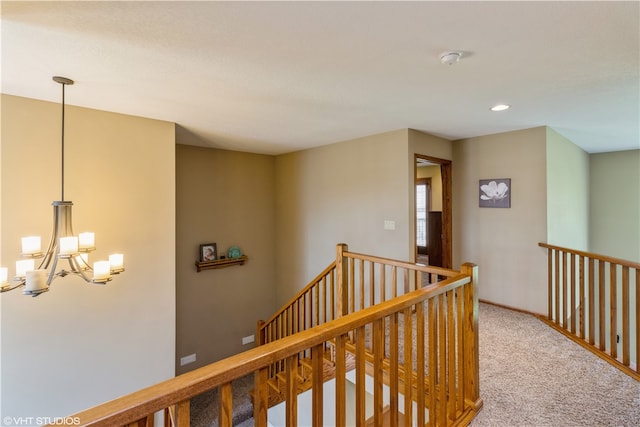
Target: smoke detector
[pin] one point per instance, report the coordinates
(450, 58)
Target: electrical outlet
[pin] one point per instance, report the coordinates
(248, 339)
(187, 359)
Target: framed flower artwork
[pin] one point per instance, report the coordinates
(495, 193)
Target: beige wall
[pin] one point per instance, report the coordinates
(225, 197)
(80, 344)
(503, 242)
(615, 204)
(567, 193)
(343, 193)
(340, 193)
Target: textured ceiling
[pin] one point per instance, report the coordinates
(274, 77)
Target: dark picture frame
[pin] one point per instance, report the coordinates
(494, 193)
(208, 252)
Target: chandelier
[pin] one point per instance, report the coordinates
(63, 246)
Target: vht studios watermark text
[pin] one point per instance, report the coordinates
(40, 421)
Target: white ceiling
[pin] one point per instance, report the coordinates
(274, 77)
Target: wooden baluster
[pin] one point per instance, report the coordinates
(408, 365)
(225, 413)
(260, 397)
(182, 415)
(613, 312)
(461, 337)
(394, 281)
(592, 296)
(317, 385)
(451, 351)
(557, 286)
(393, 369)
(361, 405)
(296, 317)
(638, 320)
(602, 311)
(582, 296)
(572, 303)
(383, 284)
(291, 390)
(442, 363)
(407, 282)
(550, 283)
(372, 281)
(361, 264)
(169, 416)
(306, 317)
(332, 289)
(352, 286)
(625, 316)
(323, 299)
(378, 372)
(432, 362)
(316, 305)
(565, 316)
(420, 356)
(341, 385)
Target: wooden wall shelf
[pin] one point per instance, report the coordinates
(220, 263)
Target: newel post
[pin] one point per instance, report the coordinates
(260, 332)
(342, 286)
(471, 347)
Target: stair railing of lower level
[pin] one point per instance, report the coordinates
(595, 300)
(352, 282)
(431, 334)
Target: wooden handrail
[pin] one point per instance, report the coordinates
(140, 404)
(403, 264)
(344, 299)
(303, 291)
(583, 293)
(592, 255)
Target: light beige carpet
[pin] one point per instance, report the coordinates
(531, 375)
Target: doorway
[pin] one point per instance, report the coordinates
(433, 211)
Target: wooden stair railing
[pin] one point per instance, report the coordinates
(351, 283)
(444, 350)
(595, 301)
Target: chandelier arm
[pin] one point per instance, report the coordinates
(52, 273)
(8, 288)
(76, 269)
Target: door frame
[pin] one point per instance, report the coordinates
(447, 220)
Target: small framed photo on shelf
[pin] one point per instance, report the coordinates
(208, 252)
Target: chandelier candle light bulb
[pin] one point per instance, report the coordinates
(116, 263)
(36, 280)
(31, 246)
(87, 241)
(101, 271)
(24, 265)
(68, 245)
(4, 276)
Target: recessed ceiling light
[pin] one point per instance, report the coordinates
(500, 107)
